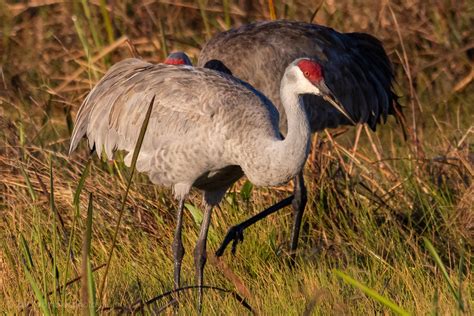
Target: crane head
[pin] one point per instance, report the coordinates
(310, 76)
(178, 58)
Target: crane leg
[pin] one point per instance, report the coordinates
(200, 255)
(235, 233)
(299, 204)
(178, 249)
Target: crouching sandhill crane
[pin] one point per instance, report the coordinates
(357, 70)
(207, 129)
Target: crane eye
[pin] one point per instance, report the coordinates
(306, 73)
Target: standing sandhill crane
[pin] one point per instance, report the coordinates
(357, 70)
(207, 129)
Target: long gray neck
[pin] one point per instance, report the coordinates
(293, 150)
(286, 157)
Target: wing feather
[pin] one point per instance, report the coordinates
(187, 99)
(357, 68)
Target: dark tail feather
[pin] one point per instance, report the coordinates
(372, 48)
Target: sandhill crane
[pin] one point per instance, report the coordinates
(358, 71)
(207, 129)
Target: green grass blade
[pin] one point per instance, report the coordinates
(69, 120)
(108, 23)
(76, 201)
(82, 36)
(31, 190)
(88, 305)
(80, 185)
(195, 212)
(52, 206)
(92, 27)
(435, 311)
(39, 296)
(226, 9)
(461, 273)
(85, 45)
(136, 151)
(91, 289)
(202, 8)
(246, 190)
(444, 272)
(27, 267)
(373, 294)
(164, 43)
(26, 252)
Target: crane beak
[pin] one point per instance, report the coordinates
(329, 97)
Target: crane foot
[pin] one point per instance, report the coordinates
(234, 234)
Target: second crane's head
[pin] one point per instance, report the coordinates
(178, 58)
(307, 77)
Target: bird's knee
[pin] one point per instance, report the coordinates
(178, 250)
(299, 203)
(200, 256)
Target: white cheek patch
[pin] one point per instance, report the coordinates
(309, 87)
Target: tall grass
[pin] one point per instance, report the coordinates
(393, 217)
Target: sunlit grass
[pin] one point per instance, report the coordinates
(393, 217)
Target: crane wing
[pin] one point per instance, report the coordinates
(360, 74)
(186, 101)
(356, 67)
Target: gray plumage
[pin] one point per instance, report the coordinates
(206, 130)
(202, 121)
(356, 68)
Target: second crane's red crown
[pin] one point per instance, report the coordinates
(174, 61)
(311, 70)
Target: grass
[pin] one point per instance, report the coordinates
(389, 226)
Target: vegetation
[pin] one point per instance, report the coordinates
(389, 225)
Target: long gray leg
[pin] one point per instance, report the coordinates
(178, 249)
(299, 204)
(200, 255)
